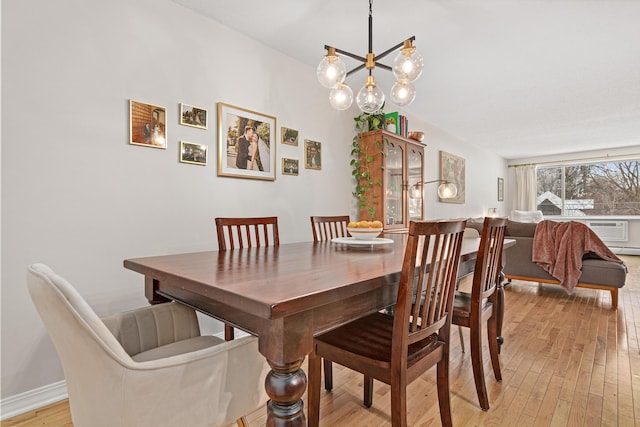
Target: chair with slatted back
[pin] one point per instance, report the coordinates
(396, 349)
(479, 307)
(328, 227)
(245, 233)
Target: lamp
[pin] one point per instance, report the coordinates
(407, 67)
(446, 189)
(493, 212)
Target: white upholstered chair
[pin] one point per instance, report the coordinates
(146, 367)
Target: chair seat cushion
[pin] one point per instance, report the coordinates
(371, 336)
(462, 304)
(178, 347)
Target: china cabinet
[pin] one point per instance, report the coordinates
(397, 174)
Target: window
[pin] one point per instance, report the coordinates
(590, 189)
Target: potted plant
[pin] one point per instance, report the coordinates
(362, 157)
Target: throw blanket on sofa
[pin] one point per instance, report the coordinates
(558, 247)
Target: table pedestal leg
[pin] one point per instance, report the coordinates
(285, 385)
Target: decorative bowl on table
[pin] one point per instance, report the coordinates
(364, 233)
(416, 135)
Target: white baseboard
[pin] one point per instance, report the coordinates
(624, 250)
(33, 399)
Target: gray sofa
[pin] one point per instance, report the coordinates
(596, 273)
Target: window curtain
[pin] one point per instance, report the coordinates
(525, 188)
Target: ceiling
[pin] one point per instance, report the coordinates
(521, 78)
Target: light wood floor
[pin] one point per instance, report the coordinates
(566, 361)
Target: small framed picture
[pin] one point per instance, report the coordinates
(500, 189)
(289, 136)
(246, 143)
(312, 154)
(195, 154)
(289, 166)
(193, 116)
(147, 125)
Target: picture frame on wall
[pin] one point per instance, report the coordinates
(147, 124)
(246, 143)
(193, 153)
(312, 154)
(290, 166)
(452, 169)
(193, 116)
(289, 136)
(500, 189)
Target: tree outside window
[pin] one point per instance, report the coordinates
(591, 189)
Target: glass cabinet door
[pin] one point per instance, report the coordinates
(415, 185)
(394, 193)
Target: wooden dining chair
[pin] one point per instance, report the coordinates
(245, 233)
(480, 307)
(328, 227)
(396, 349)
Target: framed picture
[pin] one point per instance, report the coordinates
(312, 154)
(245, 141)
(289, 166)
(289, 136)
(452, 168)
(500, 189)
(193, 116)
(147, 125)
(193, 153)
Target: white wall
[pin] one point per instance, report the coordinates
(77, 196)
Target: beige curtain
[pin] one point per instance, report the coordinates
(525, 188)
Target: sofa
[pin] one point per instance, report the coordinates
(596, 273)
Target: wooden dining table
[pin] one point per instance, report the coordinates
(285, 295)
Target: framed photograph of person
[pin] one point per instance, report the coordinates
(196, 154)
(289, 136)
(147, 125)
(246, 143)
(193, 116)
(289, 166)
(312, 154)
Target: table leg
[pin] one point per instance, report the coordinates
(500, 310)
(285, 385)
(150, 287)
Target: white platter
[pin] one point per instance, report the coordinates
(359, 242)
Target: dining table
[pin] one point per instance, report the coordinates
(285, 295)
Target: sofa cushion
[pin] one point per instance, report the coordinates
(514, 228)
(602, 272)
(520, 229)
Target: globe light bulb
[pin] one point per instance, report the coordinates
(370, 98)
(403, 93)
(448, 190)
(341, 97)
(408, 64)
(332, 70)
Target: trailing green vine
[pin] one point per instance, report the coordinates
(362, 159)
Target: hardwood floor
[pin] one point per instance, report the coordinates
(566, 361)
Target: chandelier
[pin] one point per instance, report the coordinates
(407, 67)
